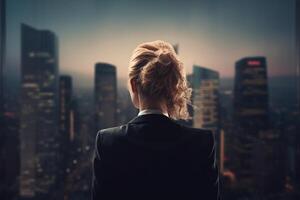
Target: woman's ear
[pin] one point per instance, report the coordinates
(133, 85)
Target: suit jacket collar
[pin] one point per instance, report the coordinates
(151, 111)
(151, 118)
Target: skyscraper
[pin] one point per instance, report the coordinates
(205, 98)
(39, 112)
(66, 125)
(11, 151)
(2, 133)
(65, 107)
(297, 148)
(2, 53)
(251, 120)
(105, 95)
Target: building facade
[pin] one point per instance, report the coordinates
(251, 122)
(2, 51)
(66, 127)
(65, 107)
(2, 123)
(205, 98)
(11, 152)
(105, 95)
(297, 138)
(39, 131)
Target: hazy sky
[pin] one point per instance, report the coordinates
(210, 33)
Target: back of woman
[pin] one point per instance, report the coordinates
(152, 156)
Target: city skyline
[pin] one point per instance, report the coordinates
(208, 33)
(65, 71)
(44, 91)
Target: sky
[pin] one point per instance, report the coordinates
(210, 33)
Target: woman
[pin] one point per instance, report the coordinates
(152, 156)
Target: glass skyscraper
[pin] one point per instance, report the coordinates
(66, 127)
(251, 121)
(105, 95)
(297, 146)
(2, 53)
(65, 108)
(39, 133)
(2, 124)
(205, 83)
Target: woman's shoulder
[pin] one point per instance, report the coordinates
(200, 135)
(108, 135)
(198, 132)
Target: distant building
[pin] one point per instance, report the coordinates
(2, 53)
(105, 95)
(39, 131)
(65, 107)
(2, 123)
(205, 84)
(251, 121)
(206, 106)
(66, 124)
(297, 12)
(297, 148)
(11, 164)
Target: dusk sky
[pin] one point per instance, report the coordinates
(210, 33)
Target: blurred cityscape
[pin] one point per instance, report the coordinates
(48, 129)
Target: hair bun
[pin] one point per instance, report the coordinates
(164, 57)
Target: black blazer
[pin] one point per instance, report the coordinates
(153, 157)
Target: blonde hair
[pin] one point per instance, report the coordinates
(160, 75)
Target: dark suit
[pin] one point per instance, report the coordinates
(153, 157)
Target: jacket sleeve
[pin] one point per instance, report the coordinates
(97, 181)
(212, 171)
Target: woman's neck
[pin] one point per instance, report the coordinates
(152, 105)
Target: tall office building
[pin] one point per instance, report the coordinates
(251, 121)
(297, 148)
(2, 53)
(66, 125)
(39, 113)
(2, 133)
(105, 95)
(11, 151)
(205, 98)
(65, 108)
